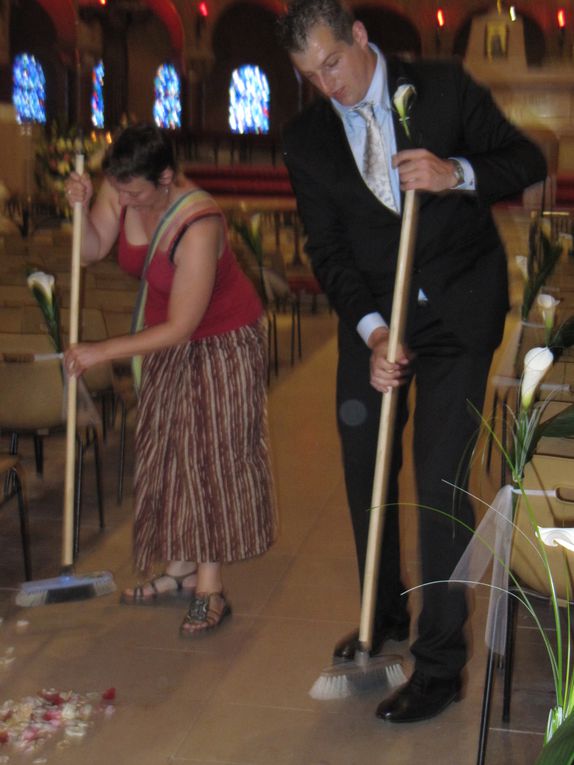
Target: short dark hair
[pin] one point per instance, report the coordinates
(294, 25)
(142, 151)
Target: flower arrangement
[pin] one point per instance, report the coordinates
(55, 154)
(43, 289)
(492, 541)
(543, 255)
(251, 234)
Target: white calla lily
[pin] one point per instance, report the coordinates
(255, 225)
(43, 288)
(537, 362)
(547, 307)
(522, 263)
(402, 101)
(38, 280)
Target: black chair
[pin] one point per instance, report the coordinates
(11, 468)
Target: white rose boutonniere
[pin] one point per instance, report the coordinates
(403, 101)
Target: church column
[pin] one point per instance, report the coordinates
(5, 63)
(115, 57)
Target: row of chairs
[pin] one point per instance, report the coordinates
(32, 397)
(549, 475)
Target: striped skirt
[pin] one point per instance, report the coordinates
(203, 482)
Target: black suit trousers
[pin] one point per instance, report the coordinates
(447, 377)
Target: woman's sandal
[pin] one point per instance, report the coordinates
(157, 596)
(206, 612)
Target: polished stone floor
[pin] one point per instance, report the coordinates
(240, 695)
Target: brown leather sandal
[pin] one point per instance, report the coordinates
(206, 612)
(178, 591)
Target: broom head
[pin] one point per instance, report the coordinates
(350, 678)
(64, 588)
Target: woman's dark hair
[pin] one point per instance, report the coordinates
(142, 151)
(294, 25)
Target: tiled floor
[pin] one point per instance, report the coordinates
(240, 696)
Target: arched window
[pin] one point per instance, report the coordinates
(249, 100)
(98, 95)
(167, 106)
(29, 89)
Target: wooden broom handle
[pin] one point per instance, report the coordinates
(72, 387)
(386, 424)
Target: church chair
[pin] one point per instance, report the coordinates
(32, 404)
(11, 468)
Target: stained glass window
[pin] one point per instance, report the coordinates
(249, 100)
(98, 95)
(29, 89)
(167, 106)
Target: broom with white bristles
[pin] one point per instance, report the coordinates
(365, 671)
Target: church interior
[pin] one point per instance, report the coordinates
(128, 689)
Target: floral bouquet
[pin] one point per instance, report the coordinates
(55, 155)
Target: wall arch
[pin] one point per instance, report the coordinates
(32, 31)
(391, 31)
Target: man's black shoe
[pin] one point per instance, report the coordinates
(348, 646)
(421, 698)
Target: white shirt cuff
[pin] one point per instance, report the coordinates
(368, 324)
(469, 177)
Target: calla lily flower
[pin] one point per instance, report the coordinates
(38, 280)
(522, 263)
(42, 286)
(537, 362)
(552, 537)
(547, 307)
(255, 224)
(402, 101)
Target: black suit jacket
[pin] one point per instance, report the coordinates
(352, 239)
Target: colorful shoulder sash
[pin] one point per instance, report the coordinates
(192, 206)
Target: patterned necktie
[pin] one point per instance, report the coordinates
(376, 162)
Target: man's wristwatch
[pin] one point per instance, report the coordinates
(458, 173)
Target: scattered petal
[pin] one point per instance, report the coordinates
(27, 725)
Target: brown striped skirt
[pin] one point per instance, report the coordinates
(203, 482)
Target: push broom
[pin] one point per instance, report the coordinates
(366, 671)
(69, 586)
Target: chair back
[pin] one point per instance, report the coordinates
(92, 329)
(31, 392)
(554, 475)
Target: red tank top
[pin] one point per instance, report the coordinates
(234, 302)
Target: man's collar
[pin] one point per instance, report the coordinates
(377, 92)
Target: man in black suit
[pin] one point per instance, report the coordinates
(451, 144)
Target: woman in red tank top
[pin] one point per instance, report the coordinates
(203, 490)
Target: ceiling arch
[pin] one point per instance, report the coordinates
(63, 14)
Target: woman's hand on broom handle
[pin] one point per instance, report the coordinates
(82, 356)
(79, 189)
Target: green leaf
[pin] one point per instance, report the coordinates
(559, 426)
(560, 749)
(563, 337)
